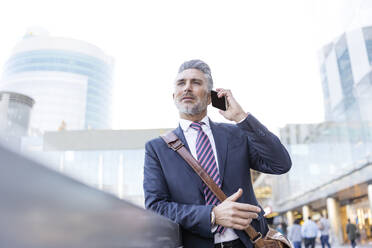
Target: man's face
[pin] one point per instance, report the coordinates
(191, 94)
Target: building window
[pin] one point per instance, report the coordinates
(367, 33)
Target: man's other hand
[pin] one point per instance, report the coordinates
(234, 214)
(234, 111)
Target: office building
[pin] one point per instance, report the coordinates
(332, 161)
(70, 81)
(15, 112)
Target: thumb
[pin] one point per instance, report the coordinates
(234, 197)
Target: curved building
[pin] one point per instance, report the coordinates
(70, 80)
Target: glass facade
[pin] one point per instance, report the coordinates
(367, 33)
(339, 82)
(346, 78)
(331, 170)
(15, 112)
(343, 143)
(333, 150)
(118, 172)
(331, 161)
(326, 95)
(98, 72)
(363, 91)
(109, 160)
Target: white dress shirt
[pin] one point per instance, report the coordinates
(294, 233)
(191, 135)
(326, 226)
(309, 229)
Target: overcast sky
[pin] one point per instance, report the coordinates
(265, 51)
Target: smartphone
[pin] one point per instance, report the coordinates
(219, 103)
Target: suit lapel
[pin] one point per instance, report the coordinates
(220, 139)
(179, 132)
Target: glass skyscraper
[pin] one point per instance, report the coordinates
(346, 76)
(332, 161)
(70, 80)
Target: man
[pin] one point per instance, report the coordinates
(351, 231)
(227, 151)
(324, 227)
(294, 234)
(309, 231)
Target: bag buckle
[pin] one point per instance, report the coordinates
(176, 145)
(257, 238)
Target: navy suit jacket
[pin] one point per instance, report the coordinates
(175, 191)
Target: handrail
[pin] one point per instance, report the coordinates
(42, 208)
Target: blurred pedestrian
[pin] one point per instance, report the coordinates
(351, 231)
(285, 228)
(279, 228)
(294, 234)
(324, 228)
(309, 232)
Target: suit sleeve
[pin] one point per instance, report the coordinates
(194, 218)
(267, 154)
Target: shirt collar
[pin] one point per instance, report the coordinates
(185, 124)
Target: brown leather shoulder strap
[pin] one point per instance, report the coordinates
(173, 142)
(176, 144)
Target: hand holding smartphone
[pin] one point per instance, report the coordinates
(219, 103)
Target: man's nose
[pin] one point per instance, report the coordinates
(188, 86)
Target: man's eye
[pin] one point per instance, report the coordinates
(180, 83)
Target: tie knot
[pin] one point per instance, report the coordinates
(196, 125)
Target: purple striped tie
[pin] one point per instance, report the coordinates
(207, 160)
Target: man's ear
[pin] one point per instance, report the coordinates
(209, 98)
(173, 96)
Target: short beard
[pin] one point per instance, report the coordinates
(192, 110)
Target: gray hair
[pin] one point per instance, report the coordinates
(201, 66)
